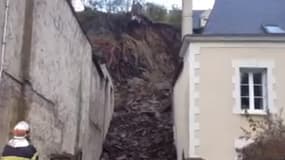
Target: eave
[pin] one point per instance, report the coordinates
(242, 38)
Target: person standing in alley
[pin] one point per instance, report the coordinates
(19, 147)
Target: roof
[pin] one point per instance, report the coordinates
(245, 16)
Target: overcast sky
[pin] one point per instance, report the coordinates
(197, 4)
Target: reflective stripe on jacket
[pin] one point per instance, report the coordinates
(19, 153)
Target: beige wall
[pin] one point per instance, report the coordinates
(219, 126)
(50, 81)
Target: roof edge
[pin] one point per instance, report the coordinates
(234, 38)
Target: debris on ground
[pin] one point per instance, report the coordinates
(142, 58)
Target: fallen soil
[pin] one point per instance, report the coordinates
(142, 59)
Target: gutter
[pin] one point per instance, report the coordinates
(3, 45)
(224, 38)
(185, 45)
(235, 38)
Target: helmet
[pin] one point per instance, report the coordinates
(23, 125)
(21, 129)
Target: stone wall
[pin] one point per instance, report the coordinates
(51, 81)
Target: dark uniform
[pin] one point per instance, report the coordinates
(19, 153)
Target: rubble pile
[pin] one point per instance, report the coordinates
(142, 59)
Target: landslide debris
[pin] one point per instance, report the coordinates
(142, 59)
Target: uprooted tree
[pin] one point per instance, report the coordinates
(113, 6)
(153, 11)
(268, 140)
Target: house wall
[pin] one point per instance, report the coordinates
(10, 85)
(181, 110)
(50, 80)
(14, 36)
(219, 126)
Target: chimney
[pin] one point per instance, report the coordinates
(186, 17)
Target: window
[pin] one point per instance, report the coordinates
(273, 29)
(254, 86)
(253, 89)
(203, 22)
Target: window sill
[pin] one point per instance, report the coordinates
(250, 112)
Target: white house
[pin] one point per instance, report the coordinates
(236, 64)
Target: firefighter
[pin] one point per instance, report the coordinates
(19, 147)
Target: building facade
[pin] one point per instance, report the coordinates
(233, 68)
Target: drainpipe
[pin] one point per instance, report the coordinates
(3, 46)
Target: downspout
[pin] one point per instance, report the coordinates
(3, 46)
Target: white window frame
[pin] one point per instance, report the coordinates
(251, 95)
(270, 79)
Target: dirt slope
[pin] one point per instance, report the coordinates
(143, 59)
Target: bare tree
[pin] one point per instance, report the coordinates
(113, 6)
